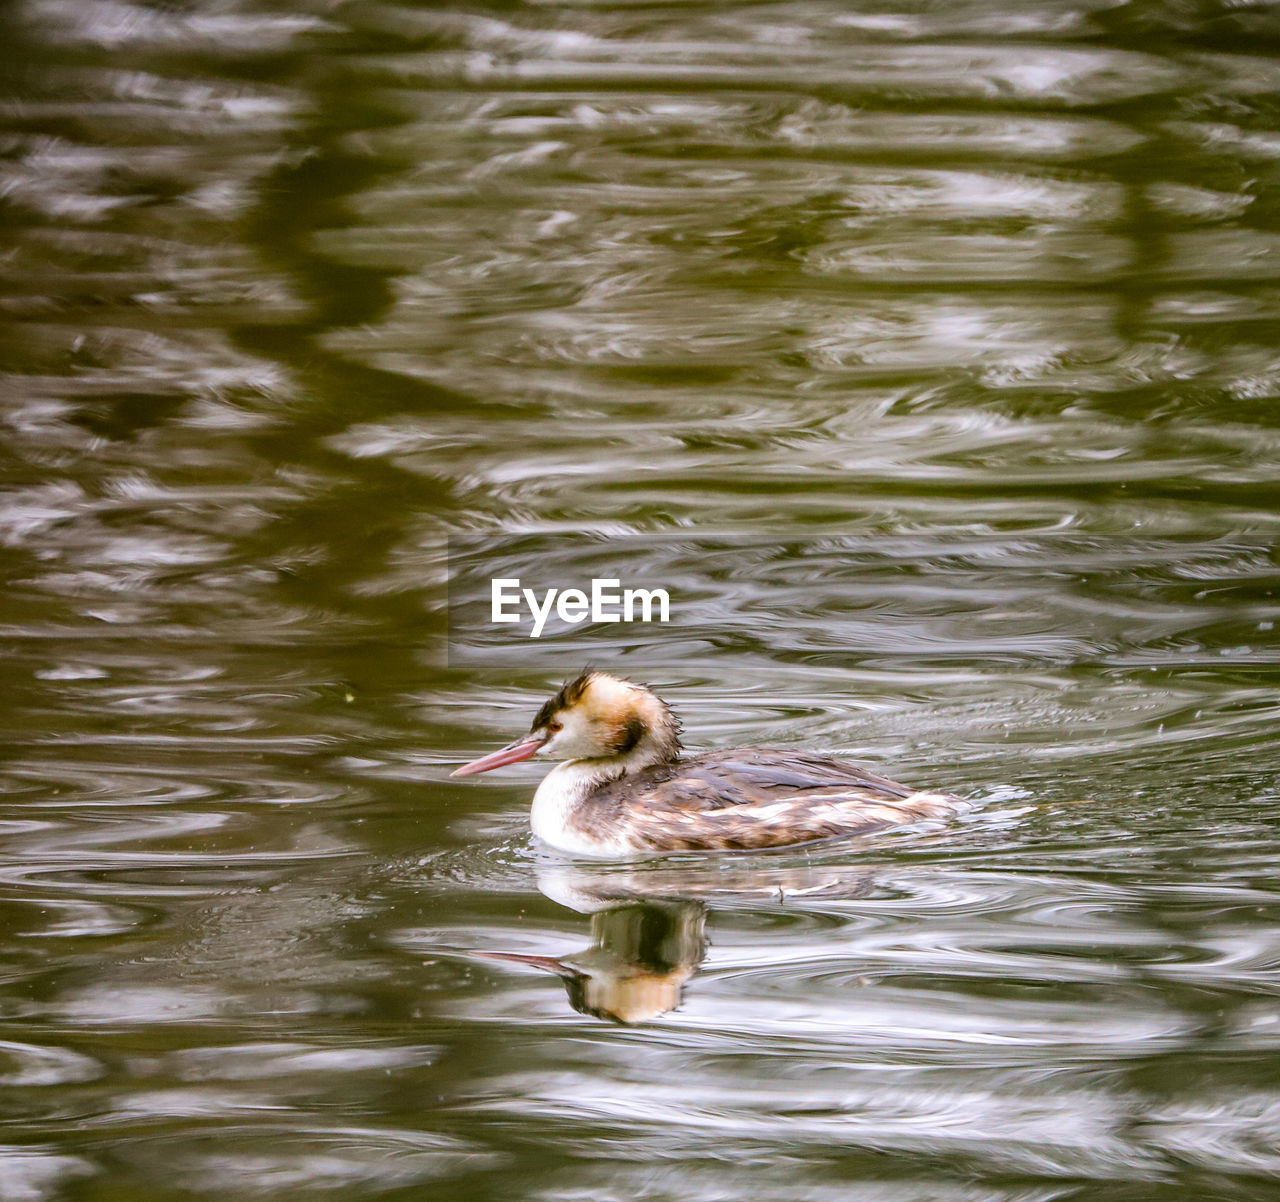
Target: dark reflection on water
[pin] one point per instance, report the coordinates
(637, 964)
(961, 319)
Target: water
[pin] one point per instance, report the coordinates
(926, 353)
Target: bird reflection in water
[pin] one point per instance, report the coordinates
(648, 929)
(641, 955)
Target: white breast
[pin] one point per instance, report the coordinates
(563, 792)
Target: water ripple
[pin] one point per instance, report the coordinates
(925, 352)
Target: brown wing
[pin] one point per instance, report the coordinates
(757, 798)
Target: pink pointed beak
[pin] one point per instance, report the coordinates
(512, 753)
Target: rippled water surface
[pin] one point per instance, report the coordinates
(926, 352)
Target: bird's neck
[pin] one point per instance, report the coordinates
(563, 799)
(592, 772)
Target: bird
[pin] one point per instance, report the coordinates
(623, 787)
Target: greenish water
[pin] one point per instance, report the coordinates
(928, 354)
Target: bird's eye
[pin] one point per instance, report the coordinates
(555, 727)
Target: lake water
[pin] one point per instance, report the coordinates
(928, 354)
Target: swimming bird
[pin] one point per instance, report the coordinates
(623, 787)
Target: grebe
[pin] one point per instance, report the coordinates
(623, 787)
